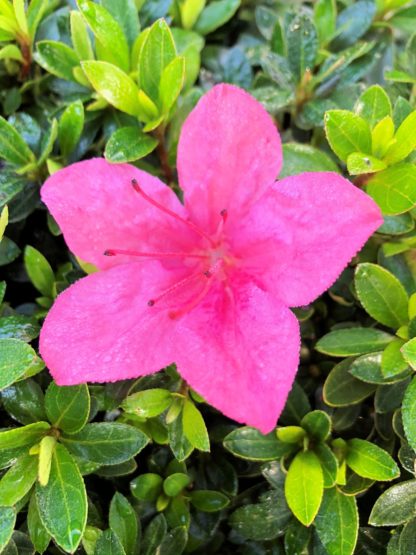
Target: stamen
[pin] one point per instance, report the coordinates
(192, 304)
(174, 287)
(192, 226)
(224, 216)
(114, 252)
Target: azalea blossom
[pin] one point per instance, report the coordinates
(206, 284)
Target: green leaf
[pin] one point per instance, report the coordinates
(194, 427)
(409, 414)
(299, 158)
(70, 127)
(208, 501)
(57, 58)
(111, 43)
(249, 443)
(304, 486)
(23, 436)
(407, 538)
(404, 141)
(7, 522)
(39, 271)
(325, 13)
(157, 52)
(62, 502)
(24, 401)
(409, 352)
(291, 434)
(353, 22)
(18, 326)
(317, 424)
(358, 163)
(395, 506)
(347, 133)
(46, 448)
(125, 13)
(190, 11)
(302, 45)
(128, 144)
(374, 105)
(394, 189)
(370, 461)
(175, 483)
(16, 359)
(392, 360)
(114, 85)
(353, 341)
(123, 522)
(153, 536)
(37, 532)
(18, 480)
(382, 136)
(337, 523)
(109, 544)
(106, 442)
(13, 147)
(382, 295)
(215, 15)
(80, 37)
(171, 83)
(342, 389)
(368, 369)
(328, 462)
(68, 407)
(48, 140)
(147, 487)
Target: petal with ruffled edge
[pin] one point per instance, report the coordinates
(326, 219)
(101, 329)
(240, 353)
(229, 152)
(97, 209)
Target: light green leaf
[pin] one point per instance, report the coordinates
(382, 136)
(70, 127)
(7, 522)
(128, 144)
(20, 14)
(194, 427)
(215, 15)
(337, 523)
(16, 359)
(392, 361)
(111, 43)
(4, 220)
(382, 295)
(171, 83)
(328, 462)
(325, 14)
(11, 52)
(24, 436)
(57, 58)
(80, 38)
(353, 341)
(62, 502)
(394, 189)
(358, 163)
(409, 414)
(68, 407)
(404, 141)
(18, 480)
(370, 461)
(190, 11)
(374, 105)
(347, 133)
(46, 448)
(304, 486)
(409, 352)
(114, 85)
(39, 271)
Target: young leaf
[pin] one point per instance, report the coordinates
(404, 141)
(374, 105)
(13, 147)
(353, 341)
(39, 271)
(370, 461)
(382, 135)
(128, 144)
(80, 37)
(382, 295)
(358, 164)
(62, 502)
(392, 360)
(317, 424)
(394, 189)
(304, 486)
(347, 133)
(175, 483)
(114, 85)
(68, 407)
(46, 449)
(123, 522)
(325, 14)
(194, 427)
(409, 352)
(106, 442)
(147, 487)
(171, 83)
(337, 523)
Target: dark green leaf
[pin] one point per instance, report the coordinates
(12, 146)
(342, 389)
(7, 521)
(16, 359)
(249, 443)
(302, 45)
(38, 534)
(70, 127)
(395, 506)
(353, 341)
(128, 144)
(123, 522)
(215, 15)
(18, 480)
(108, 544)
(353, 22)
(154, 535)
(298, 158)
(208, 501)
(57, 58)
(68, 407)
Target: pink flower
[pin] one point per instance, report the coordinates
(206, 284)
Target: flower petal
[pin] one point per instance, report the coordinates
(327, 219)
(240, 353)
(97, 209)
(101, 329)
(229, 152)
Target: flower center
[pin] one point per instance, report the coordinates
(212, 261)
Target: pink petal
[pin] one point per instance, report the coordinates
(241, 355)
(97, 209)
(101, 328)
(229, 152)
(326, 218)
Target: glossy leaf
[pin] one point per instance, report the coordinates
(39, 271)
(409, 414)
(347, 133)
(394, 189)
(18, 480)
(353, 341)
(374, 105)
(302, 45)
(249, 443)
(12, 146)
(123, 522)
(215, 15)
(341, 389)
(128, 144)
(16, 359)
(57, 58)
(68, 407)
(370, 461)
(395, 506)
(70, 127)
(194, 427)
(7, 522)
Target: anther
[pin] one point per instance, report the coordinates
(224, 214)
(109, 252)
(151, 302)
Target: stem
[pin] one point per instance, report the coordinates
(26, 50)
(162, 152)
